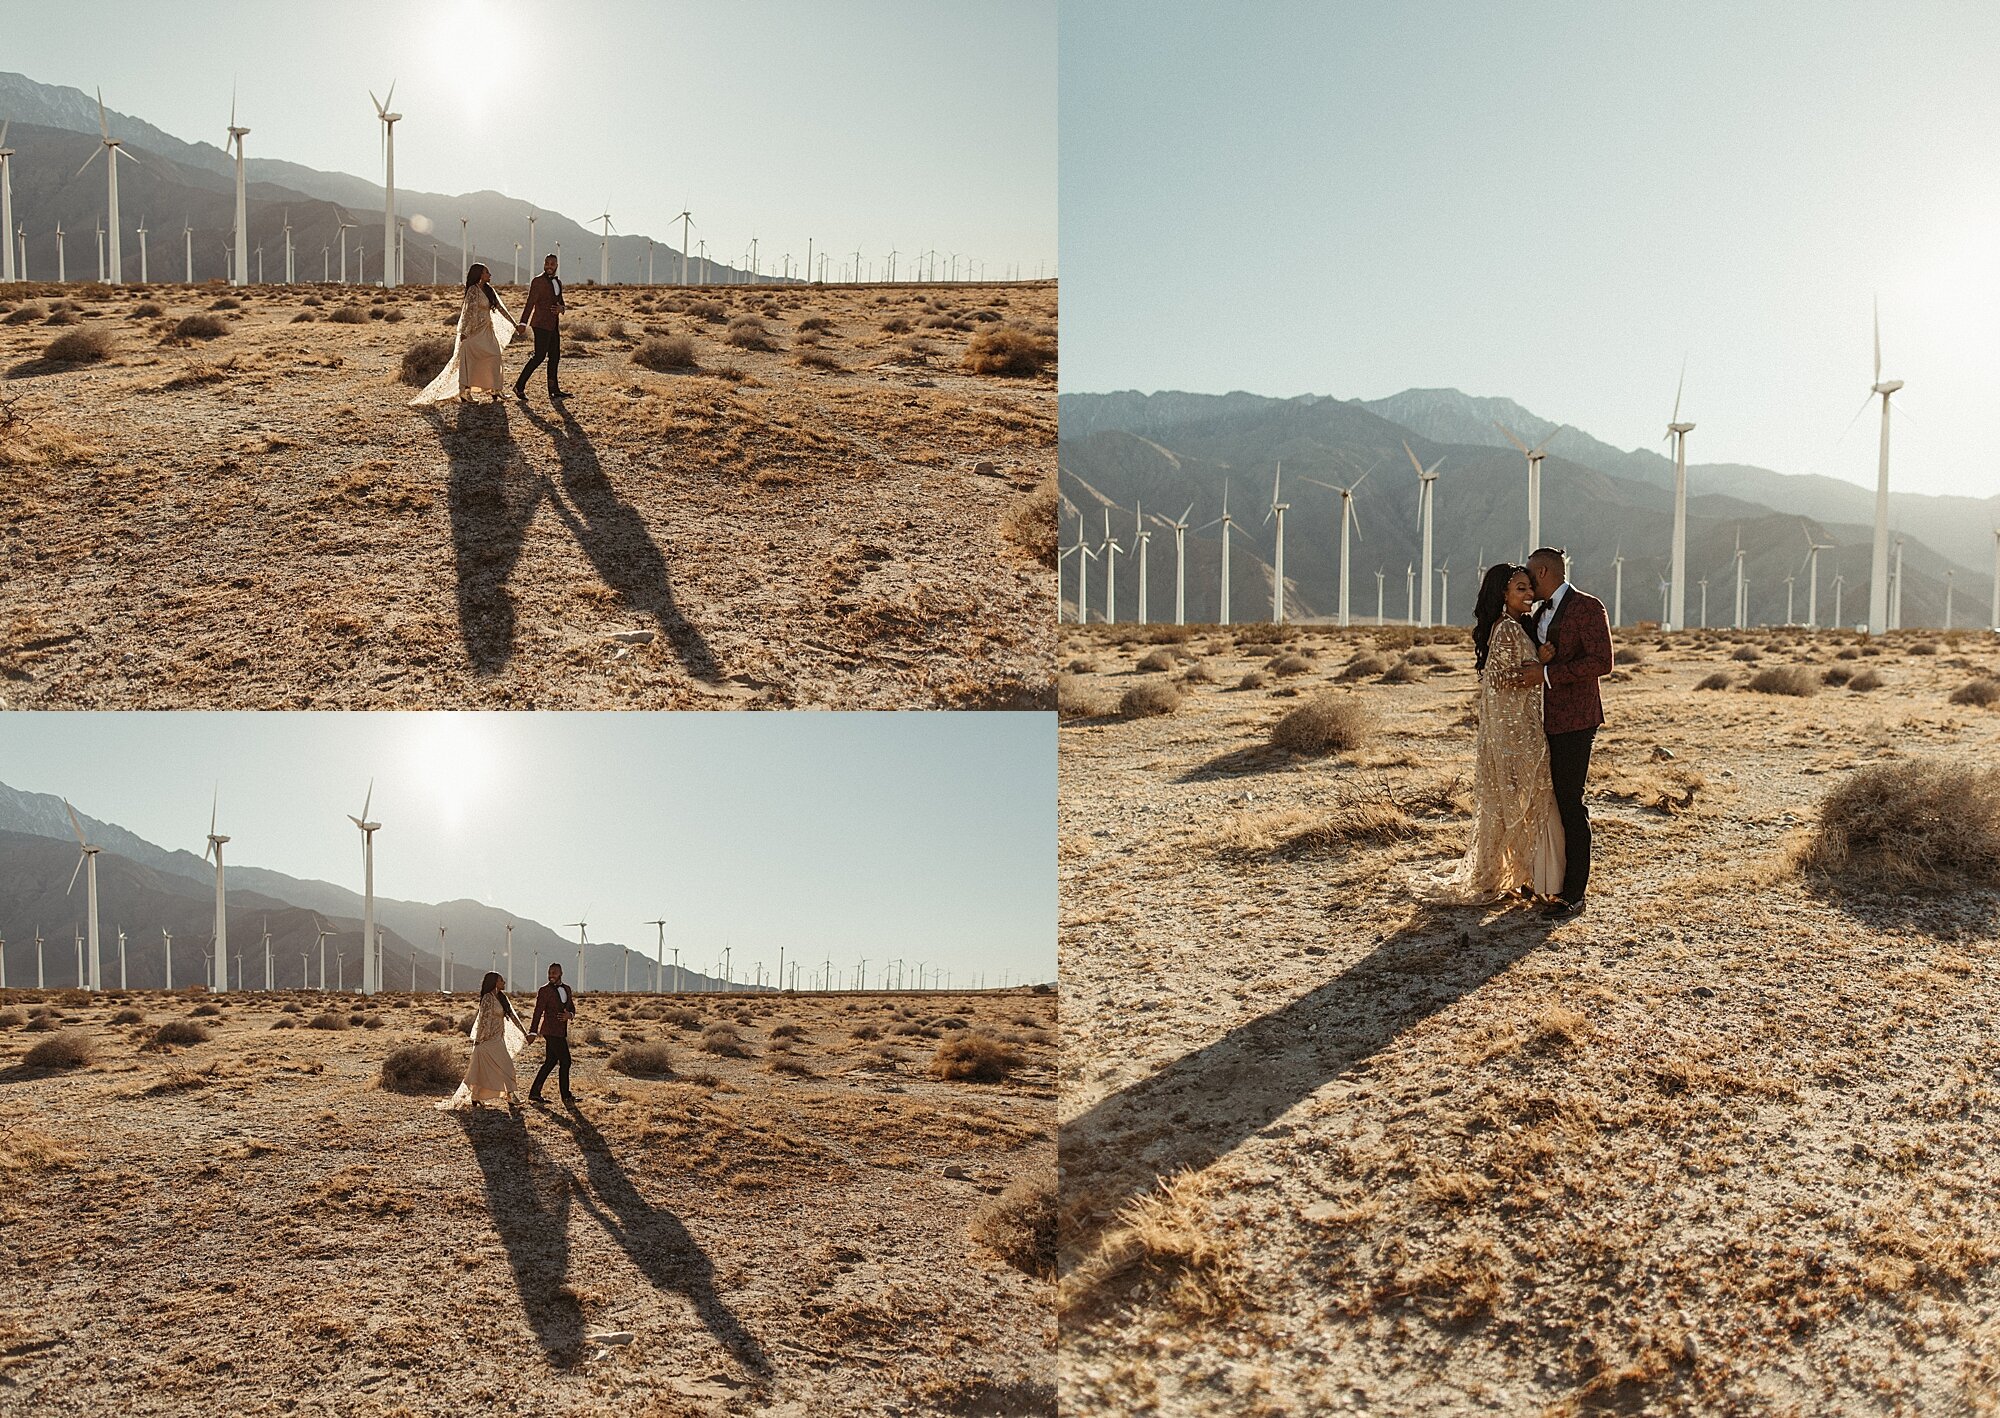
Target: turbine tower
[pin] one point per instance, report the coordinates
(1618, 583)
(1878, 581)
(168, 937)
(582, 944)
(291, 276)
(1110, 550)
(1228, 525)
(1813, 549)
(7, 207)
(1349, 522)
(1677, 563)
(1426, 499)
(219, 980)
(1141, 540)
(370, 968)
(187, 242)
(1535, 456)
(86, 860)
(464, 246)
(660, 955)
(390, 277)
(322, 933)
(1278, 509)
(112, 149)
(686, 219)
(1180, 568)
(604, 246)
(143, 278)
(239, 270)
(1742, 588)
(1996, 578)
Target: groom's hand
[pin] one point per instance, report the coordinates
(1545, 652)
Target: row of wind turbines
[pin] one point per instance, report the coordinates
(667, 976)
(925, 267)
(1885, 582)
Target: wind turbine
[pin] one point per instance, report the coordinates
(389, 280)
(1278, 509)
(1380, 577)
(322, 933)
(121, 952)
(239, 270)
(215, 840)
(1083, 556)
(100, 237)
(1742, 588)
(1677, 562)
(444, 983)
(1180, 568)
(1703, 583)
(1996, 578)
(1665, 591)
(1838, 583)
(291, 275)
(7, 207)
(1426, 497)
(1110, 551)
(1791, 579)
(660, 955)
(267, 953)
(40, 975)
(582, 944)
(1896, 588)
(1349, 520)
(143, 280)
(1141, 539)
(1948, 575)
(686, 219)
(464, 246)
(187, 243)
(1444, 592)
(1813, 549)
(168, 936)
(113, 149)
(1618, 583)
(604, 247)
(1878, 581)
(87, 860)
(62, 262)
(1228, 525)
(370, 969)
(1535, 456)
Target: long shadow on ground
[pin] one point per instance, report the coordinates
(493, 498)
(529, 1197)
(1197, 1108)
(658, 1244)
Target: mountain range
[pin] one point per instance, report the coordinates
(1171, 449)
(178, 185)
(143, 888)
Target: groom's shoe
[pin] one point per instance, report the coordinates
(1561, 909)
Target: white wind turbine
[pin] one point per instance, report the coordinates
(1618, 583)
(291, 275)
(1349, 521)
(219, 981)
(1878, 581)
(686, 219)
(1180, 566)
(1535, 456)
(390, 276)
(1703, 583)
(121, 954)
(604, 246)
(100, 238)
(1081, 550)
(1278, 510)
(582, 945)
(267, 954)
(1948, 575)
(464, 246)
(40, 974)
(1896, 588)
(1677, 561)
(62, 261)
(1813, 549)
(187, 242)
(143, 278)
(660, 955)
(1996, 578)
(1410, 594)
(322, 933)
(113, 149)
(1839, 582)
(86, 862)
(1791, 580)
(168, 937)
(370, 969)
(1426, 499)
(1110, 549)
(239, 270)
(1141, 540)
(7, 207)
(1228, 525)
(1444, 592)
(1742, 587)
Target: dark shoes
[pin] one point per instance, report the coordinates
(1561, 910)
(558, 393)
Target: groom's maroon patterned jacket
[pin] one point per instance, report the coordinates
(1581, 634)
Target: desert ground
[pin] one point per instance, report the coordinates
(1721, 1144)
(811, 1221)
(220, 499)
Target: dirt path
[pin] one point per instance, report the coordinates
(260, 521)
(1720, 1145)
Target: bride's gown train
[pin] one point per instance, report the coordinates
(483, 332)
(496, 1037)
(1517, 836)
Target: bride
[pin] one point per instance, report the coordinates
(484, 329)
(1517, 836)
(497, 1035)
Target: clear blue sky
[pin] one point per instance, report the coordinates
(870, 123)
(924, 835)
(1554, 202)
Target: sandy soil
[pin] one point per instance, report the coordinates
(252, 1224)
(1721, 1145)
(259, 521)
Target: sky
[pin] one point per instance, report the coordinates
(872, 124)
(1553, 202)
(925, 836)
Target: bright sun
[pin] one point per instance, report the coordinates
(470, 51)
(452, 764)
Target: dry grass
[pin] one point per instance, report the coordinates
(1008, 350)
(1799, 681)
(723, 1041)
(200, 327)
(1914, 824)
(1329, 722)
(1718, 679)
(644, 1060)
(180, 1031)
(665, 354)
(421, 1068)
(1019, 1225)
(72, 1048)
(85, 346)
(1144, 700)
(424, 360)
(1866, 680)
(973, 1057)
(1978, 693)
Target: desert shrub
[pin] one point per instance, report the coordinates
(438, 1024)
(10, 1019)
(128, 1016)
(711, 311)
(590, 1034)
(1286, 665)
(867, 1033)
(1077, 700)
(1847, 652)
(681, 1018)
(1978, 693)
(722, 1040)
(348, 315)
(1198, 673)
(378, 312)
(795, 1067)
(1747, 653)
(304, 317)
(1836, 675)
(148, 310)
(80, 346)
(227, 302)
(747, 332)
(646, 1060)
(312, 300)
(973, 1057)
(1158, 660)
(292, 1007)
(1256, 679)
(614, 330)
(425, 360)
(25, 315)
(1866, 680)
(1913, 823)
(421, 1068)
(789, 1031)
(665, 353)
(1796, 680)
(1924, 647)
(817, 323)
(70, 1049)
(1008, 350)
(1362, 667)
(1629, 655)
(201, 327)
(327, 1020)
(180, 1031)
(284, 1021)
(819, 359)
(1329, 722)
(913, 1028)
(1019, 1225)
(373, 1021)
(1719, 680)
(206, 1011)
(1144, 701)
(1031, 523)
(1402, 672)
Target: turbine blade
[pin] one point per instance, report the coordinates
(1878, 339)
(1419, 466)
(1543, 446)
(1677, 391)
(1190, 512)
(88, 161)
(3, 131)
(1360, 480)
(74, 825)
(73, 875)
(102, 131)
(367, 800)
(1510, 436)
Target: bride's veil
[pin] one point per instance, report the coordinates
(445, 386)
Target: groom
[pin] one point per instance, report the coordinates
(543, 315)
(1574, 639)
(555, 1003)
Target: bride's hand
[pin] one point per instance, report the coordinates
(1545, 652)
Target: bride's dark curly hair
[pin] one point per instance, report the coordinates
(1491, 605)
(475, 274)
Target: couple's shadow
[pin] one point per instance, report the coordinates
(493, 496)
(531, 1197)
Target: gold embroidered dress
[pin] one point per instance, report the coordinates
(1517, 837)
(496, 1037)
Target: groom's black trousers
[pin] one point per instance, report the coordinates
(555, 1053)
(548, 345)
(1569, 766)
